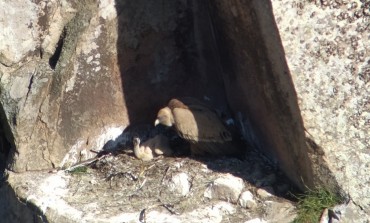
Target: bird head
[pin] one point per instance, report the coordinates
(164, 117)
(136, 141)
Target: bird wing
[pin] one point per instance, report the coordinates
(197, 123)
(188, 103)
(159, 144)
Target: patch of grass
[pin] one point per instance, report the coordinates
(78, 170)
(312, 204)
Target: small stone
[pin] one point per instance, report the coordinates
(256, 220)
(227, 188)
(178, 165)
(333, 215)
(280, 211)
(89, 59)
(179, 184)
(246, 200)
(325, 216)
(204, 168)
(93, 181)
(225, 208)
(265, 192)
(350, 213)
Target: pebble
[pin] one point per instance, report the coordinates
(265, 192)
(246, 200)
(227, 188)
(256, 220)
(225, 208)
(279, 211)
(179, 184)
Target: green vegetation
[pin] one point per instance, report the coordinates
(312, 204)
(78, 170)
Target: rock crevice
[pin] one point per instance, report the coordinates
(75, 74)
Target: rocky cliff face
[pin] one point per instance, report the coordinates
(61, 91)
(87, 69)
(258, 84)
(74, 74)
(327, 48)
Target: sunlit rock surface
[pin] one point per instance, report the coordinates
(327, 48)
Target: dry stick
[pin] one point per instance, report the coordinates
(169, 208)
(165, 174)
(142, 184)
(85, 162)
(142, 217)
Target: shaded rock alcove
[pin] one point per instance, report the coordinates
(84, 71)
(105, 66)
(226, 52)
(162, 54)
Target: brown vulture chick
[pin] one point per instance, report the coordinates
(158, 145)
(201, 126)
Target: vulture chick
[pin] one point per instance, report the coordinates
(201, 126)
(158, 145)
(142, 152)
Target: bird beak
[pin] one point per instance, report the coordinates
(156, 122)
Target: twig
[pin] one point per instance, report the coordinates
(165, 174)
(170, 208)
(85, 162)
(142, 184)
(142, 217)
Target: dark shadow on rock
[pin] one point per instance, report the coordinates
(256, 170)
(259, 85)
(160, 57)
(124, 142)
(214, 51)
(4, 152)
(12, 209)
(7, 146)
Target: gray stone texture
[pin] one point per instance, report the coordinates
(295, 75)
(259, 88)
(92, 73)
(327, 48)
(61, 91)
(227, 188)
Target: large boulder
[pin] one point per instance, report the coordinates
(304, 97)
(75, 74)
(258, 85)
(61, 91)
(327, 49)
